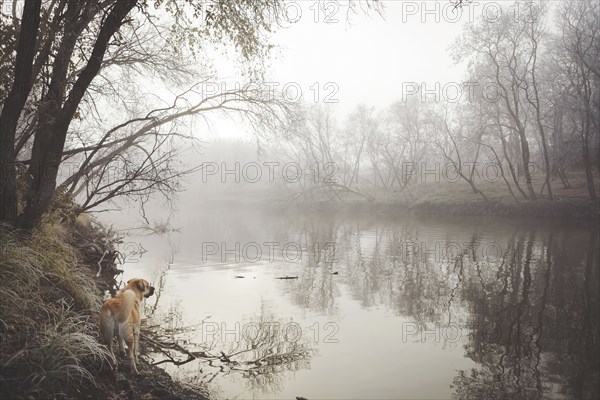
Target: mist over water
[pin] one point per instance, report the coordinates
(379, 306)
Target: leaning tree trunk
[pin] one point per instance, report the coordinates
(51, 134)
(546, 157)
(525, 158)
(586, 140)
(13, 105)
(535, 102)
(587, 161)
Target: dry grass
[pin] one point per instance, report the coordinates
(49, 342)
(61, 261)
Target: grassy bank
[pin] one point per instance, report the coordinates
(568, 209)
(435, 205)
(49, 302)
(457, 199)
(441, 198)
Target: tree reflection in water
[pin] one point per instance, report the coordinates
(263, 351)
(527, 301)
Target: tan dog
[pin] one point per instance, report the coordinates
(121, 316)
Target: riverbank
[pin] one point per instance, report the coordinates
(50, 295)
(445, 199)
(544, 209)
(579, 209)
(457, 199)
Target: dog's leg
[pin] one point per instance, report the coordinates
(130, 340)
(121, 343)
(137, 344)
(136, 333)
(107, 330)
(136, 341)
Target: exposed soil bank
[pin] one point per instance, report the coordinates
(152, 383)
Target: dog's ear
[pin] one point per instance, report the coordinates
(141, 285)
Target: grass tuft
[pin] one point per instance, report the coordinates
(49, 345)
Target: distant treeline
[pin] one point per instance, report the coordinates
(524, 124)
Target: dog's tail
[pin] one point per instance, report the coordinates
(128, 300)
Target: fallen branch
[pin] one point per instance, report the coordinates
(161, 346)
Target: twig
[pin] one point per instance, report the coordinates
(100, 263)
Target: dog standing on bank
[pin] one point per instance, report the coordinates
(120, 316)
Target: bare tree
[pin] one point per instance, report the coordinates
(580, 45)
(458, 163)
(535, 32)
(313, 140)
(498, 48)
(66, 48)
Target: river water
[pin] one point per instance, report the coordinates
(375, 306)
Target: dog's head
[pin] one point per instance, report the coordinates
(141, 286)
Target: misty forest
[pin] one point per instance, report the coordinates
(330, 199)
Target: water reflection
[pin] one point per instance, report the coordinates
(521, 300)
(263, 350)
(536, 332)
(531, 300)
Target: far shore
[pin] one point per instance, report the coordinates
(428, 198)
(559, 209)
